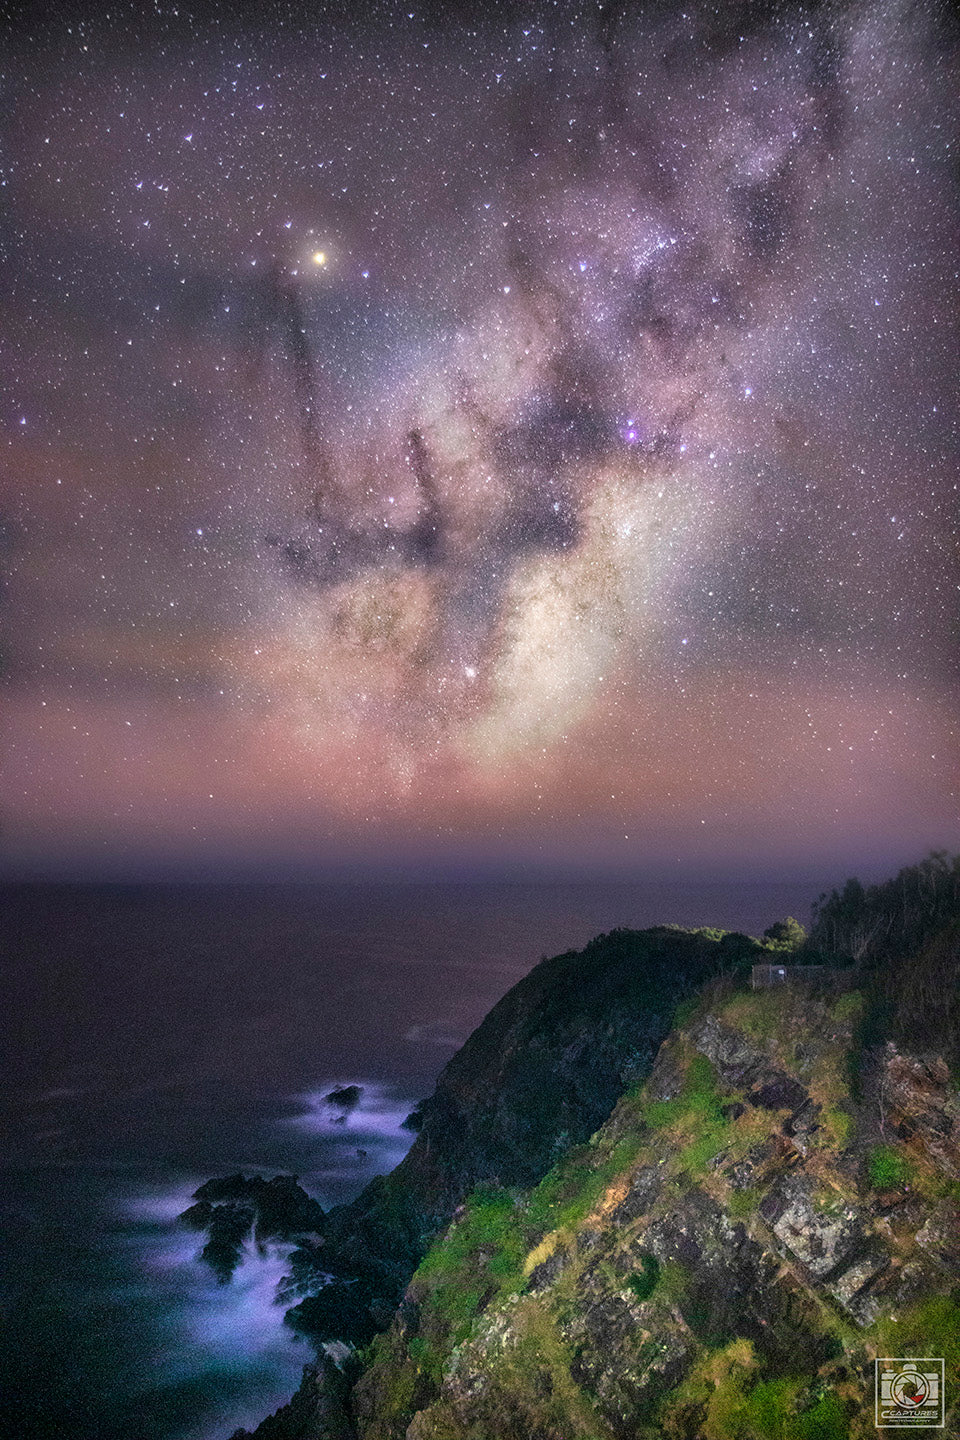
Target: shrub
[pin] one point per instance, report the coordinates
(644, 1281)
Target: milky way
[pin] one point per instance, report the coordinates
(509, 435)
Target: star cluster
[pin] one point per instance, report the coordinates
(515, 435)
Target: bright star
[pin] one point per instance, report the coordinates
(319, 257)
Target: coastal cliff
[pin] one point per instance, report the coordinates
(539, 1074)
(680, 1206)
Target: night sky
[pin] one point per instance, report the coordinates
(504, 436)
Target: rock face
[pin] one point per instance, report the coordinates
(821, 1239)
(923, 1107)
(718, 1262)
(318, 1408)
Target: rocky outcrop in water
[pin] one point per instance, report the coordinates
(232, 1209)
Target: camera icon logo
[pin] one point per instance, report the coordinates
(910, 1393)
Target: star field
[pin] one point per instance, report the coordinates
(486, 435)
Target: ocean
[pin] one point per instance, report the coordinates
(155, 1036)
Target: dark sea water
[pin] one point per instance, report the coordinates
(153, 1037)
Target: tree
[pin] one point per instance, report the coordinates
(786, 934)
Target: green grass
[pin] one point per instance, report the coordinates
(934, 1186)
(759, 1014)
(699, 1107)
(568, 1192)
(489, 1219)
(930, 1328)
(421, 1352)
(531, 1387)
(699, 1096)
(479, 1259)
(769, 1413)
(847, 1006)
(739, 1407)
(887, 1167)
(686, 1010)
(743, 1203)
(697, 1155)
(391, 1376)
(675, 1279)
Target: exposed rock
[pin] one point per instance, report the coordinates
(940, 1235)
(588, 1240)
(666, 1077)
(548, 1271)
(647, 1287)
(539, 1075)
(735, 1058)
(803, 1124)
(762, 1162)
(638, 1366)
(318, 1411)
(344, 1099)
(644, 1188)
(731, 1285)
(777, 1091)
(923, 1106)
(821, 1239)
(849, 1285)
